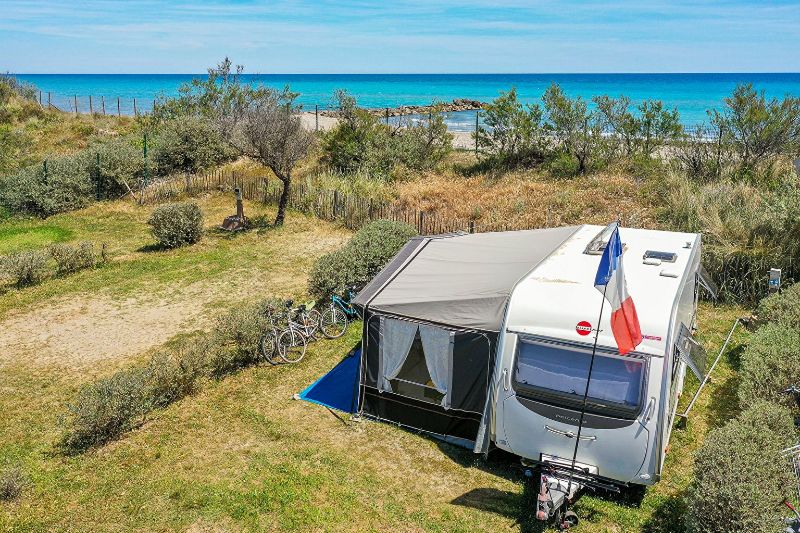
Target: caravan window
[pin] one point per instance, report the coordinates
(557, 374)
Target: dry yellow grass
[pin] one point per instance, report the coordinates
(528, 198)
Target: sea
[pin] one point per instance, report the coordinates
(691, 94)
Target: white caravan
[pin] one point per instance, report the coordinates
(486, 339)
(544, 349)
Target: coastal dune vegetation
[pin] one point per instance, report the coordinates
(135, 389)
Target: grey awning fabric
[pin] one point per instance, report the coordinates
(462, 281)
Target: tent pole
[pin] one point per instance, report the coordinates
(585, 397)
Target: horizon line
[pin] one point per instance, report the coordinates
(393, 73)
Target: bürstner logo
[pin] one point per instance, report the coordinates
(583, 328)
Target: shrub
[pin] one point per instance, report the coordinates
(424, 144)
(173, 374)
(72, 257)
(360, 142)
(702, 153)
(515, 134)
(188, 144)
(177, 224)
(740, 479)
(781, 308)
(640, 134)
(62, 184)
(574, 129)
(106, 409)
(12, 482)
(24, 268)
(120, 168)
(759, 131)
(360, 259)
(237, 333)
(15, 145)
(770, 363)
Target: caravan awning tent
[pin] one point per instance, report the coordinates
(461, 281)
(431, 319)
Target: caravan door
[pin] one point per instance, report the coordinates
(541, 408)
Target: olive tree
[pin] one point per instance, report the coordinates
(258, 122)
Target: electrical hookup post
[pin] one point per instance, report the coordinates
(560, 480)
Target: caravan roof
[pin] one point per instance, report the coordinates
(460, 280)
(559, 293)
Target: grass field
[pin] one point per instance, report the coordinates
(241, 454)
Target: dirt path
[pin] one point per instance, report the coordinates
(84, 330)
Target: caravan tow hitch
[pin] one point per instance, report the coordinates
(553, 496)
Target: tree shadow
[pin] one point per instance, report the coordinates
(152, 247)
(734, 356)
(724, 403)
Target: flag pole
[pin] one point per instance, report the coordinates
(586, 394)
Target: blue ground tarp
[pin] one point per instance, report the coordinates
(338, 388)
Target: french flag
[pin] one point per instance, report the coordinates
(610, 280)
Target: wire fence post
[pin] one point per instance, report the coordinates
(49, 105)
(477, 113)
(76, 105)
(103, 103)
(97, 176)
(144, 154)
(387, 116)
(135, 112)
(316, 117)
(119, 113)
(91, 107)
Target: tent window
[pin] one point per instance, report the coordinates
(416, 360)
(414, 379)
(557, 374)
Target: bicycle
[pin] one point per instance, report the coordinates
(269, 339)
(335, 319)
(302, 325)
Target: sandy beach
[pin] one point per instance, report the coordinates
(461, 139)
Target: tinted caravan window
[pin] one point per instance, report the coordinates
(557, 374)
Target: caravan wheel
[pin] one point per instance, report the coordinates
(570, 520)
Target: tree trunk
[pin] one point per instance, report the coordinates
(287, 182)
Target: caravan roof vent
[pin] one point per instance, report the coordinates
(598, 244)
(664, 257)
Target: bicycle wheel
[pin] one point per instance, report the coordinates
(333, 323)
(314, 318)
(291, 345)
(269, 345)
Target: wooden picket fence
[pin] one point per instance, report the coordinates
(352, 211)
(741, 278)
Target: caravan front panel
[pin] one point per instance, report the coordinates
(540, 408)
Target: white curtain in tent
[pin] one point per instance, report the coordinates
(437, 344)
(397, 336)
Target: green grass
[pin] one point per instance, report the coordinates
(26, 236)
(241, 454)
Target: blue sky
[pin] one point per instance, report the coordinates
(354, 36)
